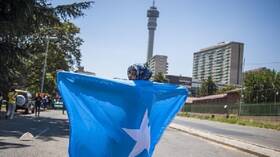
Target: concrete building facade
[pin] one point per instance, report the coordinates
(158, 64)
(223, 62)
(82, 70)
(179, 80)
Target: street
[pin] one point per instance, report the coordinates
(50, 133)
(258, 136)
(178, 144)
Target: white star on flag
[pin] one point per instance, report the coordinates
(141, 136)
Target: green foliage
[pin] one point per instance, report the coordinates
(24, 28)
(208, 87)
(63, 54)
(159, 77)
(261, 86)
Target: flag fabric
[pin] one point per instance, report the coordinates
(117, 118)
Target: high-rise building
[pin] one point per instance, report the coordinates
(152, 15)
(223, 62)
(158, 64)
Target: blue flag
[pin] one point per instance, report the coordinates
(117, 118)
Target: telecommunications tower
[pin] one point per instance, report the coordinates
(152, 15)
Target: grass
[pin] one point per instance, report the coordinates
(232, 119)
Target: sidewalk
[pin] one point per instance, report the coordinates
(247, 139)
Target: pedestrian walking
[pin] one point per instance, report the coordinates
(43, 101)
(51, 104)
(1, 101)
(38, 102)
(11, 104)
(63, 105)
(63, 108)
(47, 102)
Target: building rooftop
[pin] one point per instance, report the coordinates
(155, 56)
(209, 97)
(221, 44)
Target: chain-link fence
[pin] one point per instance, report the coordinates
(252, 105)
(262, 102)
(264, 109)
(212, 108)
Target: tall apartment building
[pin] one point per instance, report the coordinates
(223, 62)
(158, 64)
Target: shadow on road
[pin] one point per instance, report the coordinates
(42, 128)
(7, 145)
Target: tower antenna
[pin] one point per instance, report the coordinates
(152, 15)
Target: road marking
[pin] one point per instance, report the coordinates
(42, 132)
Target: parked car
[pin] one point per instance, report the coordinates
(24, 101)
(58, 103)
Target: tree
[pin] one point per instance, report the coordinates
(63, 54)
(24, 27)
(159, 77)
(261, 86)
(208, 87)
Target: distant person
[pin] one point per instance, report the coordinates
(63, 109)
(38, 101)
(63, 106)
(1, 101)
(44, 103)
(11, 104)
(50, 103)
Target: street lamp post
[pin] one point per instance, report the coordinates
(242, 86)
(275, 95)
(45, 63)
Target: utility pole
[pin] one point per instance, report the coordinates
(275, 97)
(274, 89)
(45, 65)
(242, 86)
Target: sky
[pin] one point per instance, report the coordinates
(115, 32)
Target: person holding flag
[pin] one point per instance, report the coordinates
(118, 118)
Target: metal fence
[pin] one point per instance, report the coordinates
(263, 109)
(212, 108)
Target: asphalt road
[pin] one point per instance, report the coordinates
(50, 133)
(260, 136)
(178, 144)
(51, 139)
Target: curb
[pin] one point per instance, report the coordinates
(243, 146)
